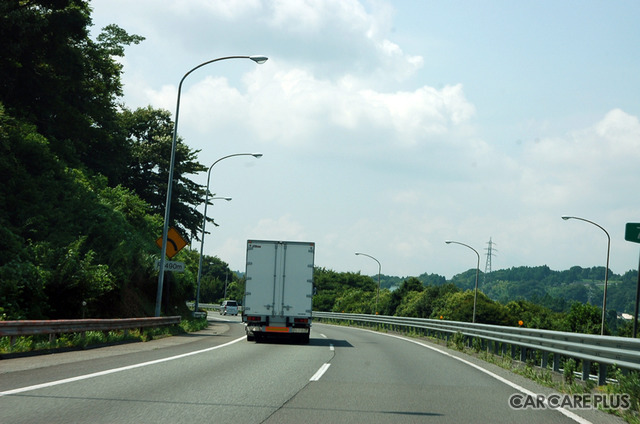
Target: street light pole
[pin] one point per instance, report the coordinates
(167, 207)
(204, 218)
(228, 199)
(606, 270)
(475, 295)
(379, 269)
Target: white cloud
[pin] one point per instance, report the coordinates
(283, 228)
(369, 147)
(292, 107)
(587, 165)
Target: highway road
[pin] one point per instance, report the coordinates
(344, 375)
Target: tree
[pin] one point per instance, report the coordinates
(149, 133)
(73, 230)
(410, 285)
(330, 284)
(215, 273)
(583, 318)
(432, 279)
(54, 76)
(355, 301)
(532, 315)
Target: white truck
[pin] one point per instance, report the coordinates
(278, 290)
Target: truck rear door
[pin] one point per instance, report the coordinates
(297, 278)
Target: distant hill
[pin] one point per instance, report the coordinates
(542, 285)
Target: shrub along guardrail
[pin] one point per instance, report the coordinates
(13, 329)
(604, 351)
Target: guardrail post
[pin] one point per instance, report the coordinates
(556, 362)
(513, 351)
(523, 354)
(602, 374)
(586, 368)
(545, 359)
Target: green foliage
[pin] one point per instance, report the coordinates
(411, 285)
(191, 325)
(355, 301)
(410, 304)
(627, 383)
(63, 82)
(432, 279)
(476, 344)
(78, 237)
(532, 315)
(329, 285)
(149, 134)
(583, 318)
(215, 273)
(94, 338)
(73, 278)
(458, 340)
(570, 367)
(457, 306)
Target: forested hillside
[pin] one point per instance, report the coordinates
(84, 178)
(556, 290)
(431, 296)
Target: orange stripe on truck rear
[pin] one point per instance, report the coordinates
(277, 329)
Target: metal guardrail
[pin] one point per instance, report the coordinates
(212, 306)
(15, 329)
(622, 352)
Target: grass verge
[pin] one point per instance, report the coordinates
(89, 339)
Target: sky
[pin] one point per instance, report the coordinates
(389, 127)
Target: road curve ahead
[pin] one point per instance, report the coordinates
(343, 375)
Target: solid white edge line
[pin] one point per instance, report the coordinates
(320, 372)
(519, 388)
(114, 370)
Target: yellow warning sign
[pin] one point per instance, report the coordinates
(175, 242)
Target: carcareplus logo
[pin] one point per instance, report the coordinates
(570, 401)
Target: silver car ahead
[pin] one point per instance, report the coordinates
(229, 307)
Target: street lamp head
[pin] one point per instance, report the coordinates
(358, 253)
(257, 155)
(447, 241)
(259, 59)
(565, 217)
(227, 198)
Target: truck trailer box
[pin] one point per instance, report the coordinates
(278, 289)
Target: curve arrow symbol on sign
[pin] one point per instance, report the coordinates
(175, 242)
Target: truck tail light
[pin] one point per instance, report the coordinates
(300, 320)
(250, 318)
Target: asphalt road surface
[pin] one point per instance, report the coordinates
(344, 375)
